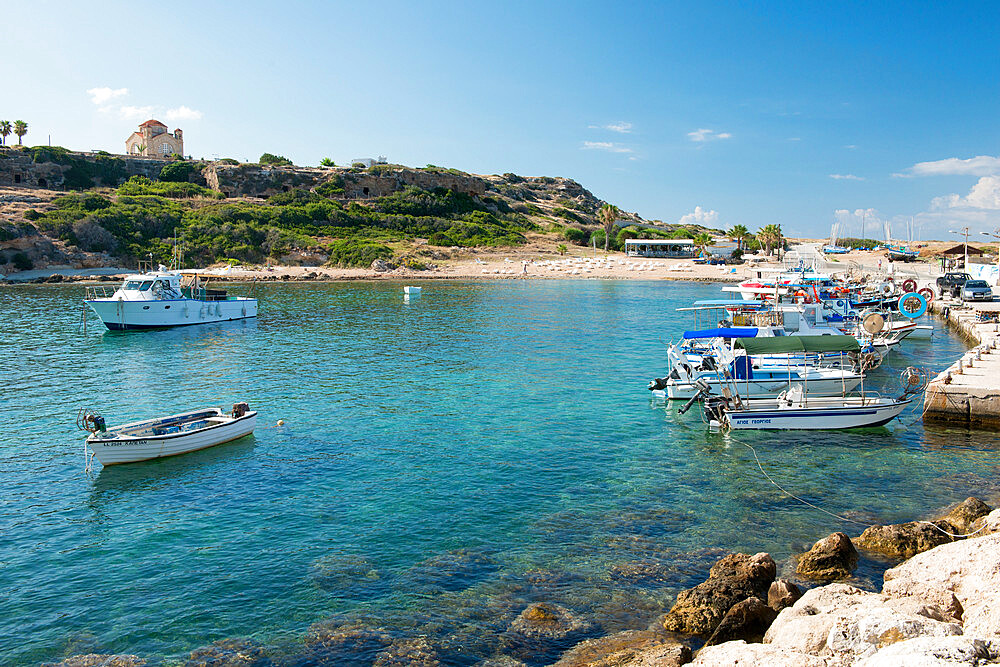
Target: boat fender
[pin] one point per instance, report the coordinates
(912, 305)
(887, 288)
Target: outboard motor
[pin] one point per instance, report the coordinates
(658, 383)
(714, 407)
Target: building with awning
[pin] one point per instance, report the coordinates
(660, 248)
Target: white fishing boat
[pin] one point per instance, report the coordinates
(794, 409)
(159, 299)
(166, 436)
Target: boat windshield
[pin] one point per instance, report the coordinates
(131, 284)
(146, 284)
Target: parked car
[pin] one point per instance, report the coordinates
(976, 290)
(951, 283)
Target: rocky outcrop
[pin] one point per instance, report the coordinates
(631, 648)
(954, 651)
(412, 652)
(338, 641)
(741, 654)
(381, 266)
(782, 593)
(834, 557)
(19, 168)
(747, 620)
(733, 579)
(230, 653)
(965, 515)
(905, 540)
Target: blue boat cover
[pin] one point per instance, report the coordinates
(728, 332)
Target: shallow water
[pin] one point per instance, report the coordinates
(444, 461)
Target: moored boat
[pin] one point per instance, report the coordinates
(166, 436)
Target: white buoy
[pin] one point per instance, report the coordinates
(281, 422)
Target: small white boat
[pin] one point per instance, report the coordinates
(409, 289)
(167, 436)
(159, 299)
(793, 409)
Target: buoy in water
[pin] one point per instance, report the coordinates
(411, 290)
(281, 422)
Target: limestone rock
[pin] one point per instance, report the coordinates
(962, 578)
(781, 594)
(631, 648)
(99, 660)
(733, 579)
(338, 641)
(845, 623)
(931, 652)
(964, 516)
(904, 540)
(833, 557)
(747, 620)
(741, 654)
(987, 524)
(381, 266)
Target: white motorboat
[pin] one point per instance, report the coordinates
(794, 409)
(167, 436)
(158, 299)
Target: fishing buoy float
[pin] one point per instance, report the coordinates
(912, 305)
(927, 293)
(281, 422)
(909, 285)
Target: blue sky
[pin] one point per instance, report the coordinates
(800, 114)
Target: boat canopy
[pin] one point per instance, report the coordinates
(726, 332)
(715, 304)
(787, 344)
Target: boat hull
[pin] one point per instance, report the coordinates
(824, 417)
(120, 315)
(112, 451)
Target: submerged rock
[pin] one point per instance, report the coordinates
(747, 620)
(782, 593)
(630, 648)
(543, 631)
(350, 577)
(412, 652)
(229, 653)
(834, 557)
(341, 642)
(642, 573)
(452, 571)
(99, 660)
(733, 579)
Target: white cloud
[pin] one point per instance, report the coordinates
(850, 147)
(605, 146)
(705, 134)
(795, 138)
(846, 177)
(135, 113)
(700, 217)
(183, 113)
(101, 96)
(981, 165)
(984, 195)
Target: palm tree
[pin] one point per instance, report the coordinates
(702, 240)
(769, 237)
(739, 233)
(20, 129)
(608, 215)
(5, 131)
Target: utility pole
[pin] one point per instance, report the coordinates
(964, 230)
(995, 234)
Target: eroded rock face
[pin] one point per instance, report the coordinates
(965, 515)
(932, 651)
(631, 648)
(733, 579)
(834, 557)
(747, 620)
(781, 594)
(381, 266)
(846, 624)
(742, 654)
(961, 578)
(904, 540)
(99, 660)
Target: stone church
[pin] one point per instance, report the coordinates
(153, 140)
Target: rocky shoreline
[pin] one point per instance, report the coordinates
(940, 606)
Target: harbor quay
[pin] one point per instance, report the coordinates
(968, 391)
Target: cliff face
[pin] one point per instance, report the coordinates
(57, 169)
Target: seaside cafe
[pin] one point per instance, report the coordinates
(660, 247)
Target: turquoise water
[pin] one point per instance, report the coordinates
(443, 463)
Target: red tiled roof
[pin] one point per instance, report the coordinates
(151, 123)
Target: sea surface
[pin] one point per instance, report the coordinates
(445, 460)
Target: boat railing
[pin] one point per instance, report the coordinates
(758, 319)
(99, 292)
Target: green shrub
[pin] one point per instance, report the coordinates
(140, 185)
(83, 172)
(274, 160)
(22, 262)
(228, 160)
(441, 239)
(332, 188)
(294, 196)
(575, 235)
(180, 171)
(356, 252)
(32, 214)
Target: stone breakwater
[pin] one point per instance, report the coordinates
(940, 607)
(968, 391)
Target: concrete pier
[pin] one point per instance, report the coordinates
(968, 391)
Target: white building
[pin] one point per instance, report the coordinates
(660, 247)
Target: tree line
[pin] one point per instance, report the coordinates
(18, 127)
